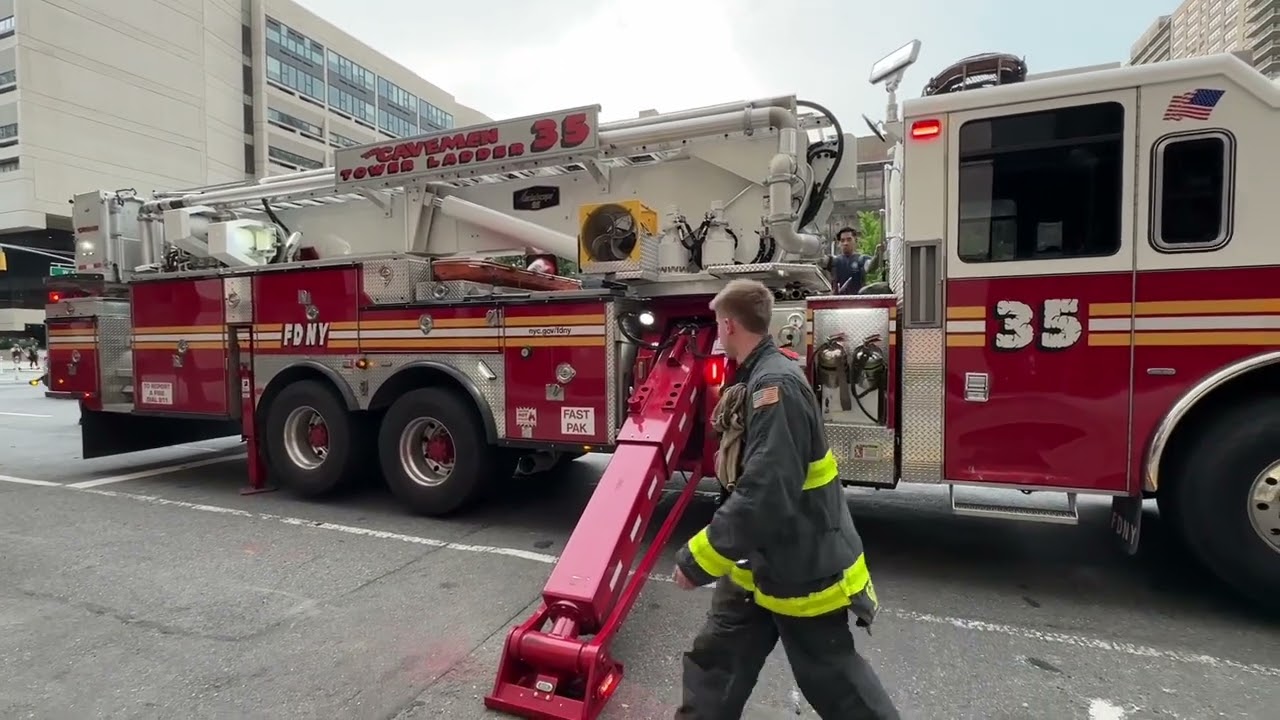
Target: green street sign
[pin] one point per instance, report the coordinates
(56, 270)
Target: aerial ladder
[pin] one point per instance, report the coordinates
(557, 665)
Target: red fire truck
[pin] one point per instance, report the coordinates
(1078, 304)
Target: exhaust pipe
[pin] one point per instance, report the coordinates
(536, 462)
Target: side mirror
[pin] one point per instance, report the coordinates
(874, 127)
(895, 62)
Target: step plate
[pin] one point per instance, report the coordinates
(1063, 516)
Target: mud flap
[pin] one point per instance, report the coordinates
(1126, 522)
(112, 433)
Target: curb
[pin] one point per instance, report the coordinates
(61, 395)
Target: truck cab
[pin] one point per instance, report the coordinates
(1085, 264)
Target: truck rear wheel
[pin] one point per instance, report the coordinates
(1226, 497)
(312, 440)
(434, 454)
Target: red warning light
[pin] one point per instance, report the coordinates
(54, 296)
(713, 370)
(925, 129)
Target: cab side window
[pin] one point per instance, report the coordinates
(1192, 176)
(1042, 185)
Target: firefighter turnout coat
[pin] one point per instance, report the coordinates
(784, 534)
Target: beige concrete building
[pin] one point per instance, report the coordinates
(1154, 45)
(1249, 28)
(169, 94)
(1262, 35)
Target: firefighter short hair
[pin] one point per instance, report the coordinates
(748, 303)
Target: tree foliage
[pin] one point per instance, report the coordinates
(872, 229)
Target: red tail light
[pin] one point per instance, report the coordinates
(713, 370)
(55, 296)
(925, 129)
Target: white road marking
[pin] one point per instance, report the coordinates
(30, 415)
(335, 527)
(1089, 643)
(198, 447)
(26, 481)
(1025, 633)
(111, 479)
(1100, 709)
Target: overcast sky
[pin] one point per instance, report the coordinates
(508, 58)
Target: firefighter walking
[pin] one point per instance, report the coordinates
(787, 561)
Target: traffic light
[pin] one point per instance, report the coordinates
(4, 261)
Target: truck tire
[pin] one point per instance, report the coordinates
(434, 454)
(1226, 498)
(312, 441)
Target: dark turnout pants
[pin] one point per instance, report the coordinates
(731, 649)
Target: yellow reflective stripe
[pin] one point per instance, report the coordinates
(821, 472)
(707, 557)
(856, 579)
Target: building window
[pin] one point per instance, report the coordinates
(250, 160)
(291, 77)
(396, 125)
(357, 108)
(341, 141)
(1193, 177)
(353, 73)
(433, 118)
(397, 97)
(7, 27)
(294, 43)
(294, 160)
(8, 132)
(8, 166)
(1042, 185)
(295, 123)
(871, 181)
(8, 77)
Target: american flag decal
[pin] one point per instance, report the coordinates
(1195, 105)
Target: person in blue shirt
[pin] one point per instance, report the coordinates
(849, 268)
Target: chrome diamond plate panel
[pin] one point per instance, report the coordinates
(857, 324)
(611, 369)
(922, 385)
(393, 281)
(365, 383)
(897, 253)
(88, 307)
(237, 296)
(864, 453)
(470, 365)
(453, 290)
(115, 359)
(267, 367)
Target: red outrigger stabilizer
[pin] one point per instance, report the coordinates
(557, 666)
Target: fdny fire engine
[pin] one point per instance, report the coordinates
(1078, 304)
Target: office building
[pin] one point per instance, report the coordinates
(162, 96)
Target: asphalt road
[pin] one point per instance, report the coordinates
(148, 587)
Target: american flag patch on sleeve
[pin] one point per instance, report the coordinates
(764, 396)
